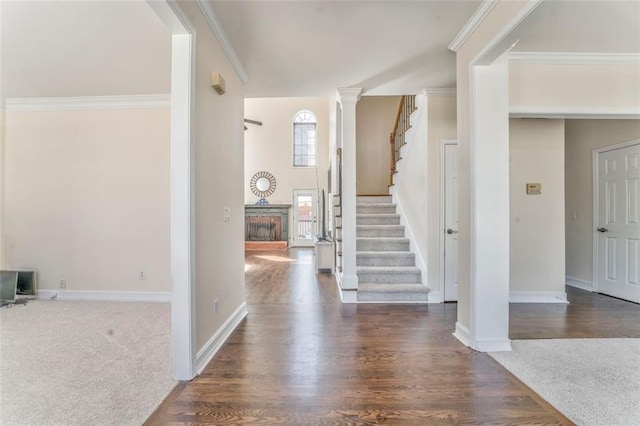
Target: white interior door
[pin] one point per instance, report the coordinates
(618, 223)
(304, 217)
(450, 230)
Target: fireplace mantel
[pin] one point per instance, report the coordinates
(281, 210)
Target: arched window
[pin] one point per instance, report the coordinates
(304, 139)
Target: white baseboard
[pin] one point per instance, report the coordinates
(537, 297)
(348, 296)
(501, 345)
(209, 350)
(106, 296)
(435, 297)
(462, 334)
(578, 283)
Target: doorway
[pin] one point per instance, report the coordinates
(304, 217)
(617, 221)
(449, 214)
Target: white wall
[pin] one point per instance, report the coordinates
(499, 16)
(219, 157)
(537, 233)
(410, 187)
(87, 198)
(2, 144)
(442, 125)
(582, 137)
(576, 86)
(375, 117)
(270, 147)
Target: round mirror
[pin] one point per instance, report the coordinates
(263, 184)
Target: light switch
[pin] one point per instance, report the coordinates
(227, 214)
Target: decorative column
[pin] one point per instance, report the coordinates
(348, 97)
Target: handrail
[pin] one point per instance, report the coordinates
(402, 124)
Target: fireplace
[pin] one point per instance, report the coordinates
(262, 228)
(266, 227)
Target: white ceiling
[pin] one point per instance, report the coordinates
(582, 26)
(288, 48)
(309, 48)
(83, 48)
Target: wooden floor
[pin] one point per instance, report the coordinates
(302, 358)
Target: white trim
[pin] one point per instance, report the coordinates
(209, 350)
(172, 16)
(105, 296)
(182, 214)
(494, 345)
(182, 196)
(573, 58)
(218, 32)
(472, 24)
(441, 239)
(88, 103)
(484, 57)
(595, 200)
(348, 296)
(462, 334)
(575, 112)
(434, 297)
(537, 297)
(578, 283)
(615, 146)
(442, 91)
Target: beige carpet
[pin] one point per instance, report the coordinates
(83, 363)
(591, 381)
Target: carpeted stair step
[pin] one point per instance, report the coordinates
(382, 244)
(388, 274)
(373, 231)
(378, 219)
(404, 292)
(385, 258)
(375, 208)
(363, 199)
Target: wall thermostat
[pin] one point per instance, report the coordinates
(217, 82)
(534, 189)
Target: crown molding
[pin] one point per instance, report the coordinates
(574, 112)
(349, 94)
(573, 58)
(218, 32)
(472, 24)
(491, 50)
(88, 103)
(446, 91)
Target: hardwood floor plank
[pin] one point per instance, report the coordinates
(303, 358)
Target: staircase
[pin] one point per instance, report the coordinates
(385, 265)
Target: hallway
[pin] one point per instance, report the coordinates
(300, 357)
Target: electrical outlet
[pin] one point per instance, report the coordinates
(227, 214)
(142, 276)
(215, 307)
(63, 283)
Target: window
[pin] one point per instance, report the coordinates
(304, 139)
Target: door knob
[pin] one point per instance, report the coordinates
(451, 231)
(602, 230)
